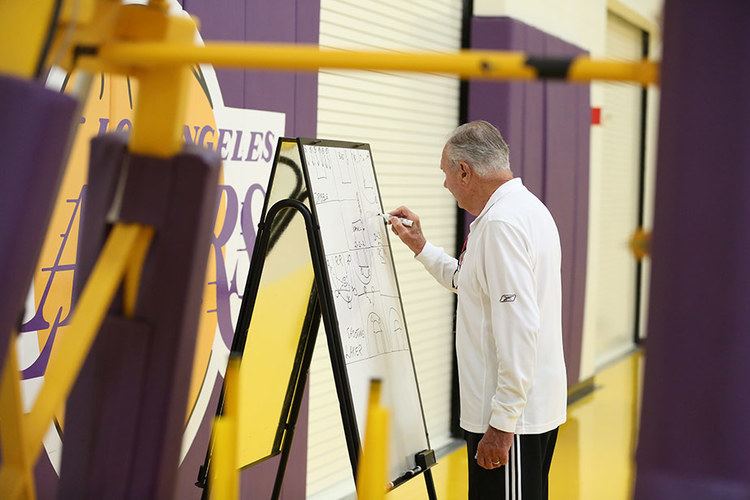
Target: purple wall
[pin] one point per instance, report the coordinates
(566, 192)
(546, 125)
(694, 436)
(295, 94)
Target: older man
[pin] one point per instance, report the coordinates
(508, 324)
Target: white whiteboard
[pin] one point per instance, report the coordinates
(366, 296)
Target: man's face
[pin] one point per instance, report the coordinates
(453, 179)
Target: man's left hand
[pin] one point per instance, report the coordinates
(493, 448)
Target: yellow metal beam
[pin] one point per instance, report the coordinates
(71, 349)
(24, 32)
(224, 480)
(17, 472)
(134, 270)
(491, 65)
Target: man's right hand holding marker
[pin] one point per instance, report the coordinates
(411, 236)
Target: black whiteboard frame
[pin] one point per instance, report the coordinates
(425, 458)
(333, 333)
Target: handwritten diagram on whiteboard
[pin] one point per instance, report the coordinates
(357, 252)
(365, 293)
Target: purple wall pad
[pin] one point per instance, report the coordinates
(295, 94)
(35, 126)
(106, 157)
(45, 477)
(533, 120)
(562, 107)
(694, 438)
(546, 125)
(125, 416)
(500, 103)
(581, 231)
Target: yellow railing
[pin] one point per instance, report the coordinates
(476, 64)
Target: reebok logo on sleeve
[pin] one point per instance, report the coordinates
(508, 297)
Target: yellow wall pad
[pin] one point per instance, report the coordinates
(496, 65)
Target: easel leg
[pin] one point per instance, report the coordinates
(430, 485)
(298, 377)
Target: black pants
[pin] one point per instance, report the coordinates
(524, 478)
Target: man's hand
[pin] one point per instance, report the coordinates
(492, 451)
(411, 236)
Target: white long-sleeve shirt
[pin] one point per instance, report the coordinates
(511, 368)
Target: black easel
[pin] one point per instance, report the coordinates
(321, 303)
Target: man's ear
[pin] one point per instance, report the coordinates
(465, 170)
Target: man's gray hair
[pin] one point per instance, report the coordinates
(479, 144)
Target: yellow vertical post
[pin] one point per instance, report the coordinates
(16, 462)
(371, 476)
(162, 90)
(224, 481)
(160, 111)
